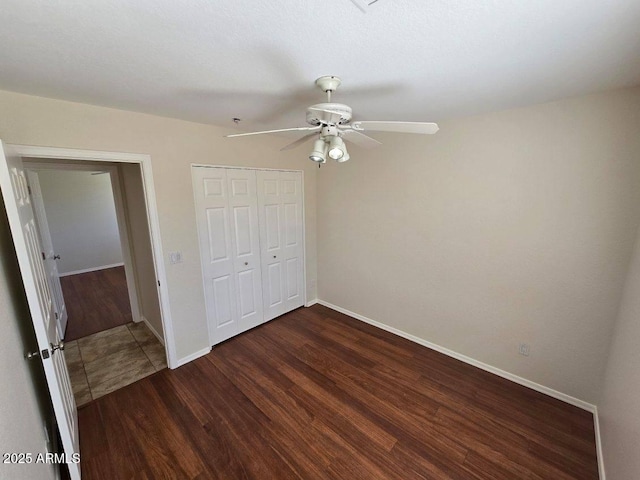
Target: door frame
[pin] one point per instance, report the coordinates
(55, 153)
(123, 234)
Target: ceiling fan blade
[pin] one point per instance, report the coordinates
(299, 142)
(404, 127)
(359, 5)
(293, 129)
(360, 139)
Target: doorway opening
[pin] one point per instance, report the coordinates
(97, 256)
(37, 285)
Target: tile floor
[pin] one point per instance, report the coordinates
(111, 359)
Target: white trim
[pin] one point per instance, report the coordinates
(92, 269)
(596, 426)
(57, 153)
(304, 237)
(152, 328)
(463, 358)
(158, 258)
(312, 303)
(152, 212)
(192, 357)
(125, 242)
(237, 167)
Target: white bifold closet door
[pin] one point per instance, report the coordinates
(250, 230)
(229, 244)
(280, 204)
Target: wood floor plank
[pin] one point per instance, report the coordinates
(316, 394)
(95, 301)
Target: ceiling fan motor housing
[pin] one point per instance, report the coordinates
(328, 83)
(329, 114)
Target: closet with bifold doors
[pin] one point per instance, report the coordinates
(251, 235)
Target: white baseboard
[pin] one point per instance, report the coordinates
(153, 330)
(463, 358)
(311, 303)
(192, 357)
(92, 269)
(596, 426)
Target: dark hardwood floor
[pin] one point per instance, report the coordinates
(95, 301)
(315, 394)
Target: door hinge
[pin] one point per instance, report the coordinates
(29, 189)
(158, 282)
(56, 313)
(44, 257)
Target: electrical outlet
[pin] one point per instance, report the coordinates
(175, 257)
(523, 349)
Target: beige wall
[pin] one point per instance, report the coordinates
(24, 405)
(173, 146)
(619, 409)
(510, 227)
(140, 242)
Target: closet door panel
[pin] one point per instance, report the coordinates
(219, 241)
(248, 303)
(242, 230)
(243, 203)
(216, 250)
(280, 207)
(292, 232)
(272, 227)
(293, 269)
(271, 232)
(274, 275)
(223, 300)
(251, 242)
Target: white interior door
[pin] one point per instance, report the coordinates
(281, 233)
(226, 211)
(22, 223)
(48, 254)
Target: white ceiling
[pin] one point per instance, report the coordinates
(210, 61)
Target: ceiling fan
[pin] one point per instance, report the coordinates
(331, 123)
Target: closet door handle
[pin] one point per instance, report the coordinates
(246, 263)
(274, 256)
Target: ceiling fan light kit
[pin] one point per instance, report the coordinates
(319, 153)
(344, 158)
(337, 148)
(332, 122)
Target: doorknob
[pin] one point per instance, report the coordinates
(59, 346)
(31, 355)
(56, 257)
